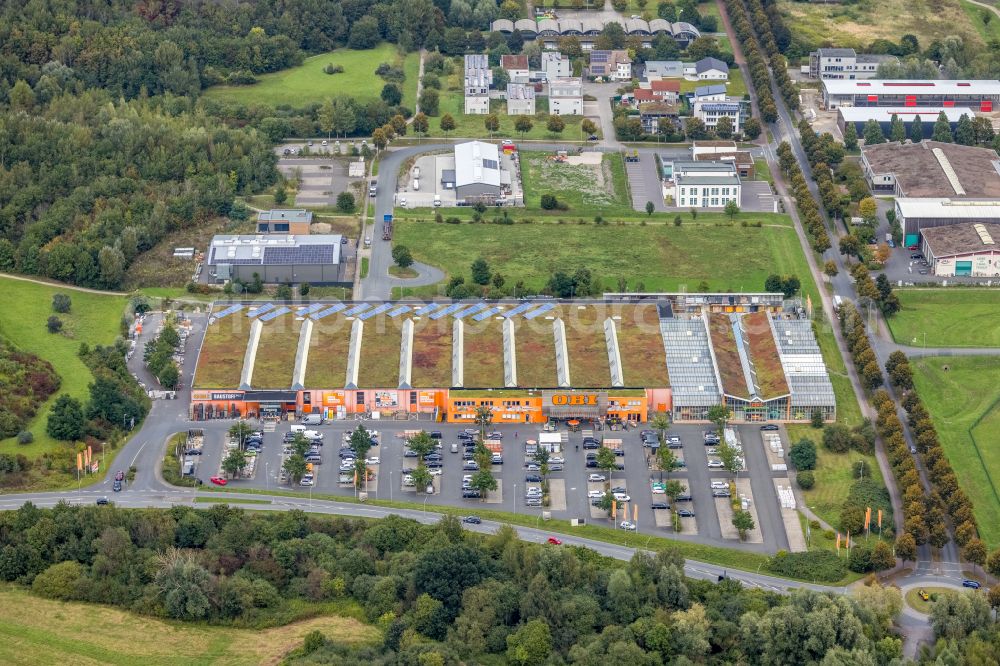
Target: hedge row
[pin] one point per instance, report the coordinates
(768, 24)
(808, 210)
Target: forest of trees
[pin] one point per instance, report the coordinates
(439, 594)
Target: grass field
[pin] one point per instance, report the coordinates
(858, 24)
(958, 391)
(735, 87)
(947, 318)
(660, 256)
(582, 187)
(308, 83)
(39, 631)
(94, 319)
(988, 29)
(453, 102)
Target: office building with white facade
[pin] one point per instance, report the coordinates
(705, 184)
(520, 99)
(566, 97)
(478, 78)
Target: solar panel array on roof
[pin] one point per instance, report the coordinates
(357, 309)
(540, 311)
(329, 311)
(487, 313)
(275, 313)
(599, 56)
(430, 307)
(311, 308)
(448, 310)
(475, 308)
(520, 308)
(228, 311)
(261, 309)
(303, 254)
(398, 311)
(375, 311)
(491, 164)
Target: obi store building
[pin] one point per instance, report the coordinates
(527, 361)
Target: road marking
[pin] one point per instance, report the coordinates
(132, 464)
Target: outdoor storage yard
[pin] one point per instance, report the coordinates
(640, 344)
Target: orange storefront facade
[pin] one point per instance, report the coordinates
(448, 405)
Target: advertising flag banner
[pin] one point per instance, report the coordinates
(838, 542)
(880, 518)
(635, 513)
(79, 462)
(614, 509)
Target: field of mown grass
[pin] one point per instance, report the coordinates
(536, 352)
(308, 83)
(39, 631)
(955, 317)
(963, 397)
(94, 319)
(483, 358)
(431, 353)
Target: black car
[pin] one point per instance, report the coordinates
(591, 463)
(103, 501)
(434, 464)
(471, 493)
(721, 493)
(435, 434)
(769, 426)
(618, 452)
(472, 520)
(192, 452)
(684, 497)
(533, 478)
(591, 443)
(468, 455)
(659, 505)
(685, 513)
(619, 489)
(117, 486)
(466, 436)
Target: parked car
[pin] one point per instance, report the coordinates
(621, 497)
(556, 468)
(595, 493)
(717, 485)
(116, 486)
(495, 435)
(627, 525)
(471, 466)
(218, 480)
(659, 505)
(684, 497)
(769, 426)
(715, 464)
(532, 467)
(618, 489)
(554, 541)
(103, 501)
(192, 452)
(373, 460)
(721, 493)
(472, 520)
(595, 478)
(307, 480)
(434, 464)
(685, 513)
(556, 460)
(435, 434)
(533, 501)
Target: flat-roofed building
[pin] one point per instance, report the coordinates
(917, 216)
(477, 170)
(845, 64)
(932, 169)
(284, 259)
(478, 79)
(284, 221)
(965, 249)
(556, 65)
(860, 115)
(705, 184)
(520, 99)
(566, 97)
(980, 95)
(711, 112)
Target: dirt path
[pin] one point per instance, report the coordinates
(62, 285)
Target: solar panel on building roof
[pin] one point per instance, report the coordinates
(311, 308)
(430, 307)
(303, 254)
(357, 309)
(521, 308)
(487, 313)
(329, 311)
(379, 310)
(540, 311)
(261, 309)
(275, 313)
(491, 164)
(398, 311)
(228, 311)
(475, 308)
(448, 310)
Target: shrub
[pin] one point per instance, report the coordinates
(549, 202)
(25, 437)
(333, 69)
(61, 303)
(803, 455)
(54, 324)
(806, 480)
(819, 565)
(345, 202)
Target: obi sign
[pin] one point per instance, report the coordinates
(559, 402)
(561, 399)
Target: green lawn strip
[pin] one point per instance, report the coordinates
(94, 319)
(961, 393)
(735, 87)
(275, 362)
(220, 362)
(223, 500)
(328, 349)
(407, 272)
(724, 557)
(834, 474)
(955, 317)
(762, 171)
(660, 257)
(308, 83)
(380, 344)
(364, 267)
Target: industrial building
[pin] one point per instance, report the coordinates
(283, 259)
(478, 175)
(963, 249)
(977, 95)
(860, 115)
(845, 64)
(520, 99)
(478, 79)
(931, 169)
(917, 216)
(280, 221)
(528, 361)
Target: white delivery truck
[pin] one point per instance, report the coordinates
(416, 185)
(416, 173)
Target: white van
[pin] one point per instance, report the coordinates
(298, 428)
(312, 419)
(312, 434)
(437, 200)
(416, 185)
(416, 173)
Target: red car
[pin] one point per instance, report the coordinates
(554, 541)
(218, 480)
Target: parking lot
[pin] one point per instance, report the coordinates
(569, 486)
(321, 177)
